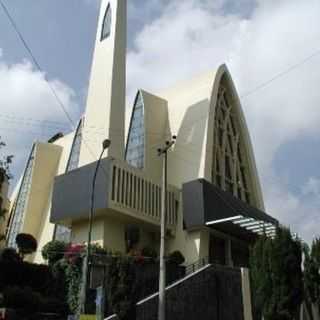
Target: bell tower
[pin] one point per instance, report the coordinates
(105, 108)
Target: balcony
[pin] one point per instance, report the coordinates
(121, 191)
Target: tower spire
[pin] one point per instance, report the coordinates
(105, 109)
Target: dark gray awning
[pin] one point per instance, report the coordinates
(206, 204)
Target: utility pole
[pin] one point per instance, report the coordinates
(162, 272)
(86, 262)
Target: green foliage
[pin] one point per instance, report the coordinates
(121, 286)
(5, 162)
(312, 272)
(276, 276)
(73, 276)
(176, 257)
(53, 251)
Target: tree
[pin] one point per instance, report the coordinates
(312, 276)
(26, 243)
(276, 276)
(5, 162)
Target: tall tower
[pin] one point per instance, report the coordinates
(105, 110)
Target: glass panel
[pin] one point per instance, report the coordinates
(21, 202)
(135, 144)
(63, 233)
(73, 161)
(106, 27)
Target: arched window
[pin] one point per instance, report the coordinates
(135, 143)
(61, 232)
(106, 25)
(73, 161)
(21, 202)
(230, 167)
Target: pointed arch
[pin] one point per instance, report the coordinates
(135, 148)
(229, 150)
(106, 24)
(73, 160)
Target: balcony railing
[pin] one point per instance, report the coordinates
(133, 192)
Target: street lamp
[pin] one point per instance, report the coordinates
(162, 267)
(85, 277)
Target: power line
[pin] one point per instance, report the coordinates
(35, 62)
(281, 74)
(60, 103)
(49, 122)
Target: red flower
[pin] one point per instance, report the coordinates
(74, 252)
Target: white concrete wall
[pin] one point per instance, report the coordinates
(46, 228)
(157, 131)
(188, 108)
(107, 232)
(194, 244)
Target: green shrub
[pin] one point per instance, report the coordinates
(176, 257)
(53, 251)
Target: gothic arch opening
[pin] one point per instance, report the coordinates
(230, 170)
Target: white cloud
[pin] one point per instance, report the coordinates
(312, 187)
(24, 97)
(193, 36)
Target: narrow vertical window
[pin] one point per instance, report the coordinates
(21, 202)
(106, 25)
(74, 156)
(135, 144)
(63, 233)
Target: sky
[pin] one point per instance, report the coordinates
(271, 48)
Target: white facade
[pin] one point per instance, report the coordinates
(187, 110)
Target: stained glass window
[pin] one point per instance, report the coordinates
(21, 202)
(135, 143)
(106, 26)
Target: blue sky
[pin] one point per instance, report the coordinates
(258, 40)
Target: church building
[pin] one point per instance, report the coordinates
(215, 207)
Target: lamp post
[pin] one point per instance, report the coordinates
(162, 272)
(85, 272)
